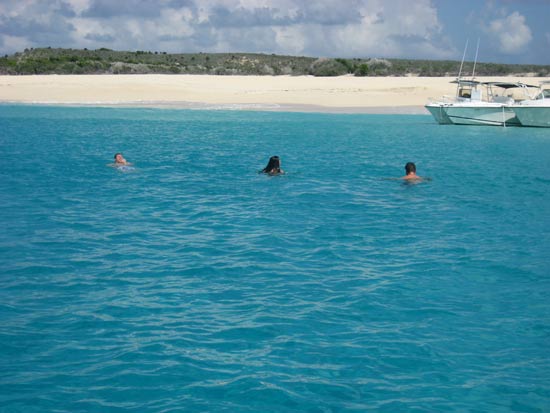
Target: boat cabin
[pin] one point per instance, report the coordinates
(496, 92)
(467, 90)
(544, 92)
(507, 92)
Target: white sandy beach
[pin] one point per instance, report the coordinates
(303, 93)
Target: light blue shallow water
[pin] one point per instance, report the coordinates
(195, 284)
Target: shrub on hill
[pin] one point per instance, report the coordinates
(327, 67)
(74, 61)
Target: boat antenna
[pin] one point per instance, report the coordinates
(463, 56)
(460, 70)
(475, 60)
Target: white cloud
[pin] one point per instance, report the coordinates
(12, 44)
(79, 5)
(511, 32)
(290, 39)
(358, 28)
(326, 28)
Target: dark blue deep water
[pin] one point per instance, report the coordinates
(195, 284)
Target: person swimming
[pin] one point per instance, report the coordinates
(273, 166)
(410, 172)
(120, 161)
(121, 164)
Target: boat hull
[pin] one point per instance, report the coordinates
(482, 115)
(538, 116)
(438, 112)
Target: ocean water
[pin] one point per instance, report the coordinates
(195, 284)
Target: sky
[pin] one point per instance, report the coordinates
(509, 31)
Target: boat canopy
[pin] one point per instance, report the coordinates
(464, 82)
(507, 85)
(503, 85)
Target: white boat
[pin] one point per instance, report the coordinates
(536, 111)
(438, 108)
(478, 103)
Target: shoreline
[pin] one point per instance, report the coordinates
(344, 94)
(370, 110)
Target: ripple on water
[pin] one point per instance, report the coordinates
(196, 283)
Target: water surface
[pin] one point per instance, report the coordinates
(193, 283)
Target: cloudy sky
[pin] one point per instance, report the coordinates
(510, 31)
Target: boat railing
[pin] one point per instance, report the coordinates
(445, 99)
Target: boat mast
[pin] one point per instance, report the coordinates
(462, 62)
(460, 70)
(475, 60)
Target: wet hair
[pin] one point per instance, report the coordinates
(274, 165)
(116, 154)
(410, 167)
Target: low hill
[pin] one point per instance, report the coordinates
(106, 61)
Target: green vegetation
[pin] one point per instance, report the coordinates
(72, 61)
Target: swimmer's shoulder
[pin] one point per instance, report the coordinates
(416, 179)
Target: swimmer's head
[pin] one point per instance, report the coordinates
(118, 157)
(274, 163)
(410, 168)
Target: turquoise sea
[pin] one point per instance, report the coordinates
(195, 284)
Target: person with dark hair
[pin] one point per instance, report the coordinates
(410, 172)
(119, 160)
(273, 166)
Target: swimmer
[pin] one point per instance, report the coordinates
(273, 166)
(119, 160)
(410, 170)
